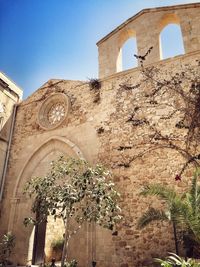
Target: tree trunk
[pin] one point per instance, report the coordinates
(175, 238)
(65, 247)
(189, 246)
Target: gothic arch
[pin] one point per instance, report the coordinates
(54, 143)
(20, 205)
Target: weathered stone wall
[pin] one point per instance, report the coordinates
(10, 94)
(146, 26)
(7, 101)
(99, 132)
(31, 151)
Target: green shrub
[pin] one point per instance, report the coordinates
(174, 260)
(6, 246)
(72, 263)
(57, 244)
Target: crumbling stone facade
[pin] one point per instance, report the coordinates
(67, 117)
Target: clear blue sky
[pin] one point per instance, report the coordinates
(44, 39)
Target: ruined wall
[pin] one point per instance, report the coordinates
(99, 127)
(146, 26)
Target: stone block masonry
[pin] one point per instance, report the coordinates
(63, 117)
(146, 26)
(33, 148)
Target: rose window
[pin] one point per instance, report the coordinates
(56, 113)
(53, 111)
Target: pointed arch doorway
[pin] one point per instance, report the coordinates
(31, 249)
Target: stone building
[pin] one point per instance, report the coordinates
(10, 94)
(111, 126)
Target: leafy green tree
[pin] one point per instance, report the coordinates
(6, 246)
(76, 192)
(182, 210)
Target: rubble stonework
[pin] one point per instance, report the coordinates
(100, 132)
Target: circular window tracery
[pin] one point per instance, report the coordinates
(53, 111)
(56, 113)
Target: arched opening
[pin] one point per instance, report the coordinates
(43, 234)
(126, 59)
(171, 41)
(32, 243)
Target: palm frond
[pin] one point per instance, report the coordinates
(183, 209)
(175, 259)
(198, 197)
(151, 215)
(193, 193)
(164, 193)
(193, 224)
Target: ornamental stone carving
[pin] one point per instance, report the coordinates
(53, 111)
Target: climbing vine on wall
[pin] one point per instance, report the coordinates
(173, 100)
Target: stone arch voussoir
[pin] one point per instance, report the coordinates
(54, 143)
(171, 18)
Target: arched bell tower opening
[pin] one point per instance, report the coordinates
(126, 58)
(127, 48)
(171, 39)
(171, 49)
